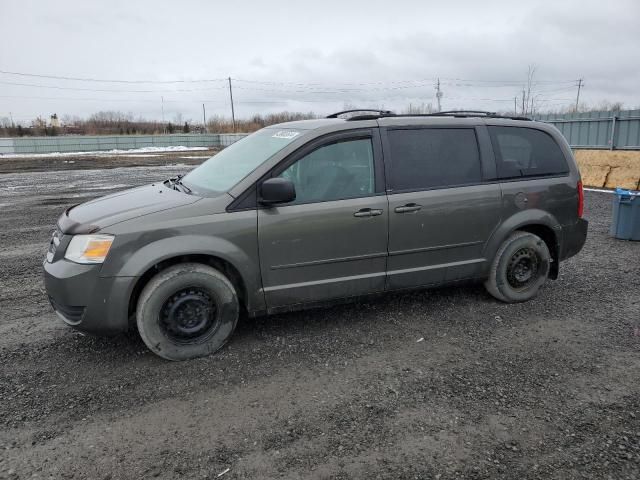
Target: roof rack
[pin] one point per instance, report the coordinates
(451, 113)
(474, 113)
(469, 113)
(380, 113)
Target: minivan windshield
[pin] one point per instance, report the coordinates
(229, 166)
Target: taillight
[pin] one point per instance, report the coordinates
(580, 199)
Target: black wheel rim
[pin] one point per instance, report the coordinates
(523, 268)
(189, 316)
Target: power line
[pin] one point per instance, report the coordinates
(85, 79)
(308, 90)
(109, 90)
(283, 83)
(320, 84)
(516, 82)
(142, 100)
(254, 102)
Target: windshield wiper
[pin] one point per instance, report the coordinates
(179, 182)
(176, 184)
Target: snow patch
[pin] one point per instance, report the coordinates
(105, 153)
(142, 155)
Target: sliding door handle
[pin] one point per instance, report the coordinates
(409, 207)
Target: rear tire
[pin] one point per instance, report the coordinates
(186, 311)
(519, 269)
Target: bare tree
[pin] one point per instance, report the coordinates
(218, 124)
(417, 109)
(528, 99)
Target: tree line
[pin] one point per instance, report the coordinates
(119, 123)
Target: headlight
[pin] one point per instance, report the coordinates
(89, 248)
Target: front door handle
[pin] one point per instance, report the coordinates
(368, 212)
(409, 207)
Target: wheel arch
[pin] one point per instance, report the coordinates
(237, 261)
(220, 264)
(537, 222)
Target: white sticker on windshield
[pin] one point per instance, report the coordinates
(288, 134)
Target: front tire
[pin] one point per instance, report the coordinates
(519, 269)
(186, 311)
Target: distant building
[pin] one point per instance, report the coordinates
(55, 122)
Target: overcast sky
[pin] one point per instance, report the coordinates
(312, 56)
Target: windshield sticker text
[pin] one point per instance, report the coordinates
(288, 134)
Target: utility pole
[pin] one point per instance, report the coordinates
(233, 114)
(515, 105)
(204, 119)
(523, 112)
(163, 127)
(438, 95)
(578, 96)
(11, 116)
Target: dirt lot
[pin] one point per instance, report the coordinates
(102, 160)
(549, 389)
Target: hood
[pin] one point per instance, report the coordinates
(119, 207)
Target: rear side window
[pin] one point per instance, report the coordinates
(526, 152)
(433, 157)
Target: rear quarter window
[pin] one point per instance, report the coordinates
(526, 152)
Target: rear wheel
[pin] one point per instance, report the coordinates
(519, 269)
(186, 311)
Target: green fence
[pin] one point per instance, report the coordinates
(613, 130)
(91, 143)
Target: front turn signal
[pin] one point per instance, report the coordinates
(89, 248)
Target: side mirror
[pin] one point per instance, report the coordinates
(277, 190)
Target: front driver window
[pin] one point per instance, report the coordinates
(334, 172)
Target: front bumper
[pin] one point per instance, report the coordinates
(573, 238)
(85, 300)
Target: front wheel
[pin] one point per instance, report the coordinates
(519, 269)
(186, 311)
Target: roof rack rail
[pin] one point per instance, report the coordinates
(472, 113)
(374, 114)
(464, 113)
(379, 112)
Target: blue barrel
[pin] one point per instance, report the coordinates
(625, 221)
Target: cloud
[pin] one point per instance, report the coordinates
(315, 56)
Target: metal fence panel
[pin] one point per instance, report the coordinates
(91, 143)
(6, 145)
(226, 139)
(607, 129)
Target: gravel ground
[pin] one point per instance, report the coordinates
(103, 160)
(549, 389)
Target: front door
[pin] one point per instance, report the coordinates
(331, 242)
(441, 213)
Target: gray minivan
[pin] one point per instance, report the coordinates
(317, 211)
